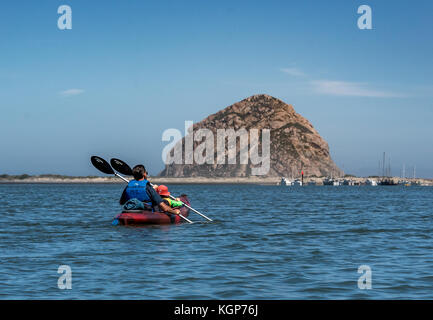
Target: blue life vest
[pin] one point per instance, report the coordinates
(137, 189)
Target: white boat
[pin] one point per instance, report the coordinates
(297, 182)
(348, 182)
(404, 183)
(330, 182)
(371, 182)
(285, 182)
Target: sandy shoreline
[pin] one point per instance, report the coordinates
(156, 180)
(166, 180)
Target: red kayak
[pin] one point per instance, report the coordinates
(135, 217)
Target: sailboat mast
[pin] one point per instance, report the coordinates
(389, 166)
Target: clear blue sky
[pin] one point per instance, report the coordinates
(128, 70)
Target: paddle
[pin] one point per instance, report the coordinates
(123, 168)
(105, 167)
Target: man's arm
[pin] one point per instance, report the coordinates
(157, 200)
(167, 208)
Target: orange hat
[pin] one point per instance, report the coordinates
(162, 190)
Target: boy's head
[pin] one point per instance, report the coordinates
(139, 172)
(163, 191)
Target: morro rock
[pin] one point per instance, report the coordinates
(294, 143)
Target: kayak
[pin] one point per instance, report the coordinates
(137, 217)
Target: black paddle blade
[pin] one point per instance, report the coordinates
(102, 165)
(121, 167)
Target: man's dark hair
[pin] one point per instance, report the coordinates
(138, 172)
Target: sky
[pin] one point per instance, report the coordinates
(129, 70)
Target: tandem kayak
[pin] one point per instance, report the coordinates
(137, 217)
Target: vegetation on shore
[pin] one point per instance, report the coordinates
(43, 176)
(56, 178)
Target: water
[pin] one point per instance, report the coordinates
(267, 242)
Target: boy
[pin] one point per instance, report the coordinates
(165, 195)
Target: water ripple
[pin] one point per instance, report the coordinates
(266, 242)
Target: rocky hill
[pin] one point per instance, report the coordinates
(295, 144)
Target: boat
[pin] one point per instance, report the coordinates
(348, 182)
(404, 183)
(330, 182)
(143, 217)
(388, 182)
(285, 182)
(297, 182)
(371, 182)
(387, 179)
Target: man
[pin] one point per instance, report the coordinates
(140, 189)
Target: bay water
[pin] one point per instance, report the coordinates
(266, 242)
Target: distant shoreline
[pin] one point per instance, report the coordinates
(56, 179)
